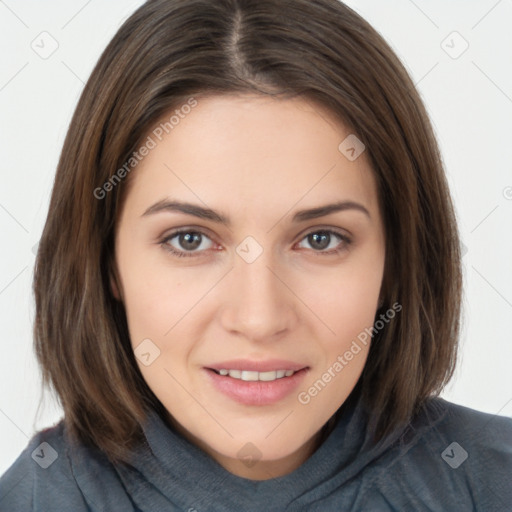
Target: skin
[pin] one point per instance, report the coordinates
(257, 161)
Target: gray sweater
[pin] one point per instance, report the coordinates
(449, 458)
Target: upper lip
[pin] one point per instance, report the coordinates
(257, 366)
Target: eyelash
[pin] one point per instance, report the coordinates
(345, 242)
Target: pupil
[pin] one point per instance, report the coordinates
(319, 240)
(190, 240)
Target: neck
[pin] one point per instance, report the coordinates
(261, 469)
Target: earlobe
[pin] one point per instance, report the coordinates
(114, 286)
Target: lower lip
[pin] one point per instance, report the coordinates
(256, 392)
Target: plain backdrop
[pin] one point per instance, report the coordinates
(457, 52)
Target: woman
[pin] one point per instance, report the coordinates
(248, 286)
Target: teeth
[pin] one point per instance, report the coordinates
(267, 376)
(250, 376)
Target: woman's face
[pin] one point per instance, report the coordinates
(265, 277)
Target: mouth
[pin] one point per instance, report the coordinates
(251, 376)
(256, 383)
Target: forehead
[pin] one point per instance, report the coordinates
(253, 152)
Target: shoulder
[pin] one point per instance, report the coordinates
(466, 418)
(454, 455)
(488, 437)
(42, 469)
(52, 473)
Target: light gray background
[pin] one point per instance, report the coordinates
(469, 99)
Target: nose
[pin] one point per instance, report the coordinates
(257, 304)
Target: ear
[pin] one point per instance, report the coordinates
(382, 296)
(115, 288)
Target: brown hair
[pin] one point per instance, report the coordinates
(171, 50)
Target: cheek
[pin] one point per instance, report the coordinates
(346, 306)
(344, 300)
(155, 296)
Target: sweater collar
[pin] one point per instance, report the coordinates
(171, 470)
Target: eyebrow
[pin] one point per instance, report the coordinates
(166, 205)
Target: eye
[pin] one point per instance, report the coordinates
(189, 242)
(326, 241)
(186, 242)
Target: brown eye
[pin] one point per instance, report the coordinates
(326, 241)
(187, 243)
(320, 240)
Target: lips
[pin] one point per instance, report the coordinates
(268, 365)
(250, 376)
(256, 382)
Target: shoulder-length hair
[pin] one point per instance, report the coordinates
(169, 51)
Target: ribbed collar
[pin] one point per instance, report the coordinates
(169, 470)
